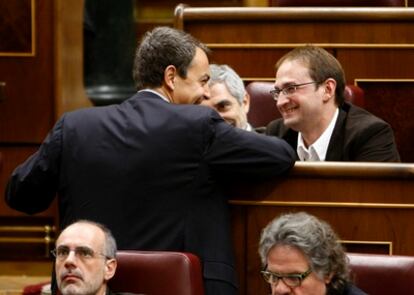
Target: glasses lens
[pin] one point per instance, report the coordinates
(291, 281)
(84, 252)
(275, 93)
(289, 90)
(62, 251)
(270, 277)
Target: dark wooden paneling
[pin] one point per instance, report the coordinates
(254, 66)
(34, 236)
(15, 26)
(377, 63)
(370, 205)
(17, 243)
(394, 102)
(238, 215)
(27, 108)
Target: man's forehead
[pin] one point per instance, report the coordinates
(81, 233)
(291, 72)
(295, 65)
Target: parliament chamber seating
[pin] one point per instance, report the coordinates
(341, 3)
(151, 273)
(383, 274)
(263, 107)
(373, 44)
(157, 273)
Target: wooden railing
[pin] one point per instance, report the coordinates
(370, 206)
(23, 236)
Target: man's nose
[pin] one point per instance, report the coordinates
(280, 288)
(281, 100)
(71, 258)
(206, 91)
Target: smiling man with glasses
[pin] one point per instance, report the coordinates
(316, 121)
(301, 255)
(85, 259)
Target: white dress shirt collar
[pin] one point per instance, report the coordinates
(155, 92)
(248, 127)
(317, 150)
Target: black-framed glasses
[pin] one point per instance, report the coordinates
(289, 89)
(82, 252)
(291, 280)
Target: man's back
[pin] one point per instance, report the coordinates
(151, 172)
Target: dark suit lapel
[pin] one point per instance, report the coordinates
(147, 94)
(277, 128)
(336, 143)
(291, 137)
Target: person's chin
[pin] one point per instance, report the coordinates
(70, 288)
(290, 122)
(197, 100)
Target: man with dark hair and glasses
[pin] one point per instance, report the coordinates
(85, 259)
(301, 255)
(316, 121)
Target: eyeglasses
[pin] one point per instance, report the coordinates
(288, 90)
(83, 253)
(291, 280)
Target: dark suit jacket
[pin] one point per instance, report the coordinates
(358, 136)
(152, 172)
(353, 290)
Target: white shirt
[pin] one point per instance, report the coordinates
(317, 150)
(248, 127)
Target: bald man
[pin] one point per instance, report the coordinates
(85, 259)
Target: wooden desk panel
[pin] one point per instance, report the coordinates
(372, 42)
(393, 101)
(16, 32)
(370, 206)
(39, 80)
(26, 109)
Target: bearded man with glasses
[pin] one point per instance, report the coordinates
(301, 255)
(316, 121)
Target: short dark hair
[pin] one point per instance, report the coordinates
(159, 48)
(321, 65)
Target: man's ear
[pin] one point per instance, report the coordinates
(246, 103)
(169, 77)
(329, 89)
(110, 268)
(328, 278)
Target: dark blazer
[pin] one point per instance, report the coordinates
(358, 136)
(152, 172)
(353, 290)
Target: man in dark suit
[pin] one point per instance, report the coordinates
(309, 91)
(152, 168)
